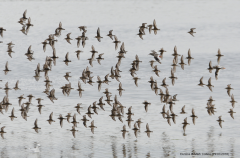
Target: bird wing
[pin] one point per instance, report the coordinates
(147, 127)
(175, 50)
(154, 23)
(35, 123)
(193, 112)
(120, 85)
(115, 38)
(155, 67)
(89, 109)
(135, 125)
(137, 57)
(220, 124)
(189, 53)
(182, 61)
(209, 81)
(210, 88)
(185, 120)
(24, 14)
(124, 127)
(135, 81)
(183, 108)
(51, 115)
(68, 35)
(106, 77)
(6, 66)
(167, 92)
(201, 82)
(163, 109)
(100, 55)
(169, 122)
(79, 85)
(93, 49)
(29, 20)
(12, 112)
(219, 52)
(175, 96)
(129, 109)
(184, 127)
(60, 24)
(99, 79)
(2, 129)
(100, 100)
(210, 64)
(98, 32)
(66, 57)
(54, 52)
(74, 118)
(16, 85)
(228, 92)
(92, 123)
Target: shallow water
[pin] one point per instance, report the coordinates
(216, 26)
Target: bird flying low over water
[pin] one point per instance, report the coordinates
(120, 89)
(193, 116)
(116, 41)
(6, 70)
(233, 101)
(191, 32)
(218, 68)
(155, 29)
(146, 105)
(2, 131)
(36, 128)
(68, 39)
(92, 126)
(98, 35)
(210, 67)
(229, 88)
(50, 120)
(201, 82)
(231, 113)
(148, 131)
(61, 120)
(219, 55)
(185, 123)
(182, 63)
(110, 34)
(73, 130)
(220, 121)
(124, 131)
(183, 110)
(209, 85)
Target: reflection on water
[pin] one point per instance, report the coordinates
(114, 147)
(232, 143)
(211, 140)
(124, 150)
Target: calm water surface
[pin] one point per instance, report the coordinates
(217, 27)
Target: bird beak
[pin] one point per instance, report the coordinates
(159, 56)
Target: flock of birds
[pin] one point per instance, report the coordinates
(117, 108)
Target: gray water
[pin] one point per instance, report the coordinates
(217, 28)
